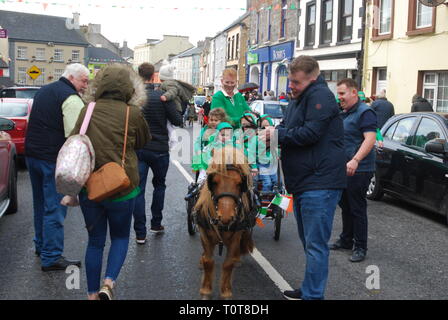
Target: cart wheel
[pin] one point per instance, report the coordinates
(277, 223)
(190, 221)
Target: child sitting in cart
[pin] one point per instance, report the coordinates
(267, 159)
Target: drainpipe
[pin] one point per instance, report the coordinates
(360, 57)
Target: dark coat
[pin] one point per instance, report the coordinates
(157, 114)
(384, 110)
(421, 105)
(311, 139)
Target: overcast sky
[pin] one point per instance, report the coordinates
(136, 24)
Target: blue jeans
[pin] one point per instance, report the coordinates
(49, 214)
(314, 212)
(267, 182)
(159, 163)
(97, 216)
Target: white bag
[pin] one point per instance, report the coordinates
(76, 160)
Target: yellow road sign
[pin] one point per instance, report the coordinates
(34, 72)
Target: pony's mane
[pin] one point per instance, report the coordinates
(221, 158)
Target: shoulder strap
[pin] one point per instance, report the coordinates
(87, 117)
(125, 137)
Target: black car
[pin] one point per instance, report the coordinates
(413, 164)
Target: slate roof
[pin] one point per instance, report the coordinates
(103, 55)
(190, 52)
(39, 28)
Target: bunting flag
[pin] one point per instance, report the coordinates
(95, 4)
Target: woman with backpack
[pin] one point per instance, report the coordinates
(118, 93)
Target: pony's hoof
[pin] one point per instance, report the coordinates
(205, 296)
(226, 296)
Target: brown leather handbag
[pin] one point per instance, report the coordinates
(111, 178)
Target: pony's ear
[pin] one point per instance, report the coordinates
(210, 182)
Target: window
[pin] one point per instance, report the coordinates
(21, 75)
(421, 19)
(258, 27)
(22, 53)
(58, 73)
(310, 32)
(326, 22)
(59, 55)
(283, 19)
(345, 20)
(13, 109)
(390, 132)
(379, 80)
(40, 81)
(424, 16)
(269, 25)
(237, 46)
(403, 132)
(228, 48)
(40, 54)
(383, 17)
(75, 55)
(435, 90)
(427, 130)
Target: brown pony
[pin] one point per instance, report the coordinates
(223, 211)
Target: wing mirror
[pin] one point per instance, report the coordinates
(439, 146)
(6, 124)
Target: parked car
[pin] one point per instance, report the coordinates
(275, 109)
(17, 110)
(19, 92)
(8, 172)
(413, 164)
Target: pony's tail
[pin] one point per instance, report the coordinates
(246, 244)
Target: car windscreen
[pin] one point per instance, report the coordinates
(274, 110)
(13, 109)
(19, 93)
(199, 100)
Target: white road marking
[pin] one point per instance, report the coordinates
(258, 257)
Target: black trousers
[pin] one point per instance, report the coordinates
(354, 210)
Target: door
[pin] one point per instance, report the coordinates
(428, 173)
(395, 175)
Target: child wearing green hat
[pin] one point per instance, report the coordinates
(268, 161)
(247, 137)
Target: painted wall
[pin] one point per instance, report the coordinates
(405, 56)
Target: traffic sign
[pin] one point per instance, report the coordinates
(34, 72)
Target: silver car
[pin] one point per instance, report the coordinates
(275, 109)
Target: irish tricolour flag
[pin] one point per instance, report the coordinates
(284, 202)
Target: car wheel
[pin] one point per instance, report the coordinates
(12, 208)
(375, 191)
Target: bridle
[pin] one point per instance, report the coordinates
(239, 208)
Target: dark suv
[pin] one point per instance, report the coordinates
(413, 164)
(19, 92)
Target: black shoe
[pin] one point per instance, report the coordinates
(156, 230)
(338, 245)
(293, 294)
(359, 254)
(62, 264)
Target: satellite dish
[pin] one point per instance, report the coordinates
(431, 3)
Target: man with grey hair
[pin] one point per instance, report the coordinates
(311, 137)
(54, 113)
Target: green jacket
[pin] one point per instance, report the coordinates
(107, 125)
(200, 153)
(234, 111)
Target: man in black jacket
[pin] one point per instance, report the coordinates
(420, 104)
(311, 137)
(383, 108)
(154, 155)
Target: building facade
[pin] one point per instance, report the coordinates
(220, 45)
(331, 31)
(236, 46)
(273, 34)
(406, 50)
(43, 43)
(155, 50)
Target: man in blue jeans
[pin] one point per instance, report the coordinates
(154, 155)
(311, 138)
(55, 110)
